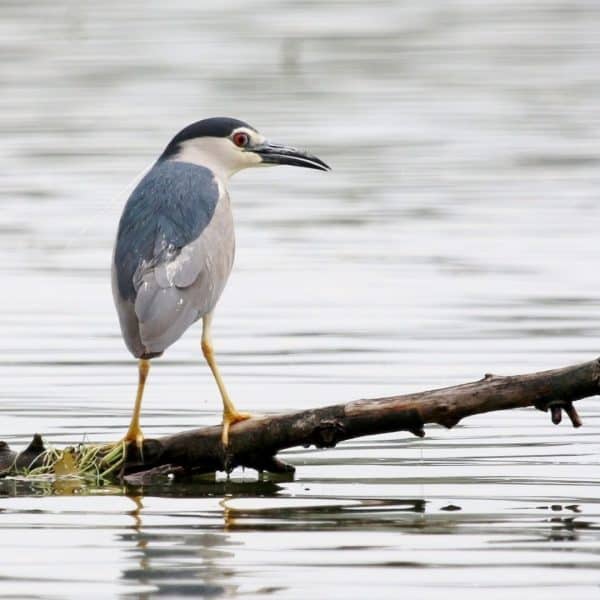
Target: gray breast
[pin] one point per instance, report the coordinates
(173, 255)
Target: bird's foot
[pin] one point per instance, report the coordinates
(230, 418)
(135, 436)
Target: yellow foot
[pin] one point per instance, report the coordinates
(114, 455)
(229, 419)
(136, 436)
(116, 450)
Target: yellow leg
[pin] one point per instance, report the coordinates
(134, 433)
(230, 413)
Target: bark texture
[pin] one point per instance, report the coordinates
(256, 442)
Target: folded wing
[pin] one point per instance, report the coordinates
(162, 260)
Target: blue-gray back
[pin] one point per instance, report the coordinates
(168, 209)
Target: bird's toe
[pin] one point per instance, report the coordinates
(230, 419)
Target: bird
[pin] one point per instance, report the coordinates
(175, 244)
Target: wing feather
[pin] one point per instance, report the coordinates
(159, 254)
(168, 210)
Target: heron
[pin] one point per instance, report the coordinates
(175, 244)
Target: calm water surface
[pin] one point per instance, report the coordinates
(456, 235)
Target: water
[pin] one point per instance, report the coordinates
(456, 235)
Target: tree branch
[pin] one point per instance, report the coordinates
(256, 442)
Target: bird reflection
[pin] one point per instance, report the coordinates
(196, 559)
(191, 563)
(176, 564)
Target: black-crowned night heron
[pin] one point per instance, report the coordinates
(175, 243)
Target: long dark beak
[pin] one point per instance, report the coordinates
(285, 155)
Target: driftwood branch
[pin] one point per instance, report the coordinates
(256, 442)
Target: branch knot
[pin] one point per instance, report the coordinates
(327, 434)
(556, 407)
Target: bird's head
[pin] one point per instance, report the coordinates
(227, 146)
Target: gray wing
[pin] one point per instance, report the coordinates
(160, 254)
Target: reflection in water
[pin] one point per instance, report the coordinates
(213, 542)
(175, 565)
(198, 563)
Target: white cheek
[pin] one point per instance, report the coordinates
(218, 154)
(251, 159)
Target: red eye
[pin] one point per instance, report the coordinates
(241, 139)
